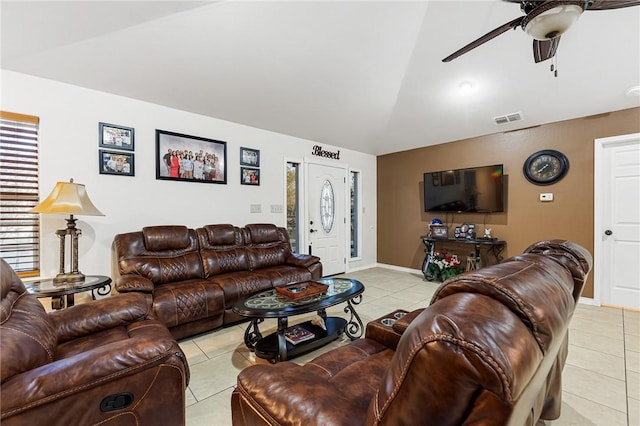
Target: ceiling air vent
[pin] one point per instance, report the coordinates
(508, 118)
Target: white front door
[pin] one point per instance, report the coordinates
(326, 216)
(617, 230)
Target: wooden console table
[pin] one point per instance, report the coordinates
(496, 247)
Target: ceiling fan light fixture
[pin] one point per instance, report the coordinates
(552, 22)
(465, 87)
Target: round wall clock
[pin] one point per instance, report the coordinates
(545, 167)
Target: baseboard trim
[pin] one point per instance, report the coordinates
(399, 268)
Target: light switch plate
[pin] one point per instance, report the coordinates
(546, 196)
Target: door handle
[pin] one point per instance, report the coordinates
(312, 231)
(608, 232)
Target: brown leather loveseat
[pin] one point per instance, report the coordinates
(193, 277)
(489, 350)
(102, 362)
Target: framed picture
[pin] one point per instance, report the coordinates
(439, 231)
(116, 163)
(249, 176)
(190, 158)
(249, 157)
(116, 137)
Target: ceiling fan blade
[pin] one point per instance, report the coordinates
(545, 49)
(611, 4)
(485, 38)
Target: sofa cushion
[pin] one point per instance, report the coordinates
(185, 301)
(221, 235)
(571, 255)
(165, 270)
(237, 284)
(222, 249)
(158, 238)
(343, 380)
(282, 275)
(264, 257)
(216, 262)
(523, 285)
(260, 233)
(267, 245)
(27, 335)
(164, 262)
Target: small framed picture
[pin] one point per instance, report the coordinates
(439, 231)
(249, 176)
(249, 157)
(116, 163)
(116, 137)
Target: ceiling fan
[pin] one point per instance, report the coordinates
(545, 21)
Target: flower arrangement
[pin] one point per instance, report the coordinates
(444, 265)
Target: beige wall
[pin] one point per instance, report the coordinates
(401, 219)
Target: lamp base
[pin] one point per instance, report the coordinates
(71, 277)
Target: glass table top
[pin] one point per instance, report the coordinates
(270, 303)
(46, 287)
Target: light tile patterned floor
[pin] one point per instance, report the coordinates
(601, 381)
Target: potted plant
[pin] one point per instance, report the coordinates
(443, 266)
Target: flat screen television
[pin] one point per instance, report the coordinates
(470, 190)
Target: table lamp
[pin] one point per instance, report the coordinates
(68, 198)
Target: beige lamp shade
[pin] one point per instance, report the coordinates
(68, 198)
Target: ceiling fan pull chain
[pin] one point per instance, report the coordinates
(554, 66)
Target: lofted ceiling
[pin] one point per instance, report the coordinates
(361, 75)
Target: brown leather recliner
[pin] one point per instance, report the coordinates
(489, 350)
(102, 362)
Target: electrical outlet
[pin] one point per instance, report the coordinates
(255, 208)
(276, 208)
(546, 196)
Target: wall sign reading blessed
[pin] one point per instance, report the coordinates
(319, 152)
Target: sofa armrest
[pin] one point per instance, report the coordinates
(401, 324)
(78, 374)
(302, 260)
(98, 315)
(127, 283)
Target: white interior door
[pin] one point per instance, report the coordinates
(617, 231)
(326, 216)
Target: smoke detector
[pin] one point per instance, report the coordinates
(508, 118)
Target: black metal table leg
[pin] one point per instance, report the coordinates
(101, 291)
(282, 342)
(353, 329)
(252, 333)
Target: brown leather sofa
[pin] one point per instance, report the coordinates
(489, 350)
(101, 362)
(193, 277)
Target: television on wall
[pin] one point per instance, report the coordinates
(470, 190)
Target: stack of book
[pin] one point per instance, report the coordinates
(296, 334)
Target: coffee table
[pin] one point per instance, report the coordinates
(271, 304)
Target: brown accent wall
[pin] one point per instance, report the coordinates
(401, 216)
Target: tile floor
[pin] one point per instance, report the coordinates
(601, 378)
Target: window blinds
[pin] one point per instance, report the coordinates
(19, 229)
